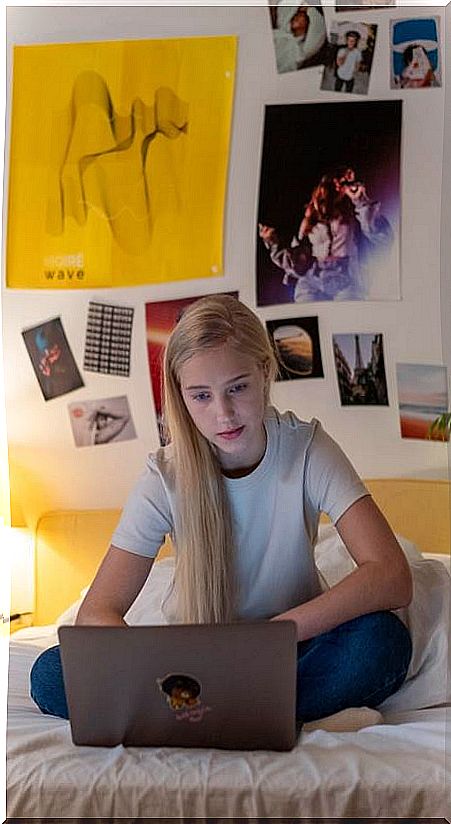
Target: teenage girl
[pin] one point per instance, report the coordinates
(240, 489)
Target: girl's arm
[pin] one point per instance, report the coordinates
(118, 581)
(373, 223)
(381, 581)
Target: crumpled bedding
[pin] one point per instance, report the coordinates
(394, 770)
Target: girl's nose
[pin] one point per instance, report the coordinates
(224, 408)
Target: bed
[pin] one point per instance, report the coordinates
(393, 770)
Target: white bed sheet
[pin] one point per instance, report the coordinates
(396, 769)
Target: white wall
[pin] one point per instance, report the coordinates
(47, 471)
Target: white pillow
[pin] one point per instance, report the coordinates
(146, 608)
(69, 615)
(428, 682)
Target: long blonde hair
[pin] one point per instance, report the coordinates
(205, 567)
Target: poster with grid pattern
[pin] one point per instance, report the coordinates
(108, 339)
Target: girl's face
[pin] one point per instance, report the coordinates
(223, 391)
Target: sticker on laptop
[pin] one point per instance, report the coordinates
(182, 694)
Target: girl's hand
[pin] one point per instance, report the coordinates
(267, 233)
(356, 191)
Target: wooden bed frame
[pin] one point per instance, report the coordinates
(70, 544)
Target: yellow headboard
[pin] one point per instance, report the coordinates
(418, 509)
(71, 544)
(68, 549)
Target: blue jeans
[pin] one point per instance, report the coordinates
(359, 663)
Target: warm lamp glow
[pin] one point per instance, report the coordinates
(5, 508)
(5, 581)
(18, 544)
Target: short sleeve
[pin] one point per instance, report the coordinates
(146, 517)
(331, 482)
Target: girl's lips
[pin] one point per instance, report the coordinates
(231, 434)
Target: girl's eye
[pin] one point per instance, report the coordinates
(201, 396)
(238, 387)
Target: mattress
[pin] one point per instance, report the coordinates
(396, 769)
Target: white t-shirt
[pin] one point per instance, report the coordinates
(275, 513)
(352, 58)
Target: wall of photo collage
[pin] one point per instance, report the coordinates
(293, 157)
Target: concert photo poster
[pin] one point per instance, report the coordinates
(328, 220)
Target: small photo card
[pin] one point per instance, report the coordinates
(352, 49)
(355, 5)
(101, 421)
(108, 339)
(52, 359)
(359, 363)
(299, 35)
(297, 347)
(422, 398)
(416, 61)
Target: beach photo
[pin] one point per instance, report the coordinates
(422, 398)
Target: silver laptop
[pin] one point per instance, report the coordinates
(231, 686)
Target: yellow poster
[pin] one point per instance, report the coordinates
(118, 162)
